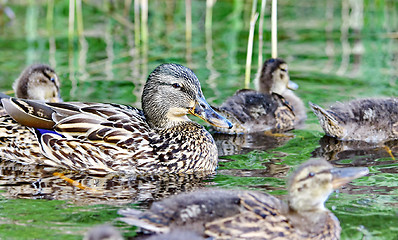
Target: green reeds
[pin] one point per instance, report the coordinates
(137, 30)
(209, 48)
(50, 32)
(144, 35)
(188, 31)
(260, 35)
(253, 19)
(274, 29)
(71, 26)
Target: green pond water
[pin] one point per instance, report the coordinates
(336, 51)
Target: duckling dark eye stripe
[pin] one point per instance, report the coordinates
(321, 172)
(46, 74)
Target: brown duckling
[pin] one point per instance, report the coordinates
(370, 120)
(38, 82)
(275, 107)
(229, 214)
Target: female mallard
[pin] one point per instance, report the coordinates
(110, 138)
(274, 108)
(226, 214)
(37, 82)
(369, 120)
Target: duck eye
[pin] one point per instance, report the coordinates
(176, 85)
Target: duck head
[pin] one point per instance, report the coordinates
(274, 77)
(171, 92)
(38, 82)
(312, 183)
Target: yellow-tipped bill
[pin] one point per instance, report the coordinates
(203, 111)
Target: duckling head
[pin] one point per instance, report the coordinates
(312, 183)
(38, 82)
(171, 92)
(274, 77)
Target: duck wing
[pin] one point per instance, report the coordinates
(216, 213)
(92, 137)
(257, 111)
(260, 218)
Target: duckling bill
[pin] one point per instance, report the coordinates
(101, 138)
(229, 214)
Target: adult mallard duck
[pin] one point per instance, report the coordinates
(369, 120)
(104, 138)
(274, 108)
(37, 82)
(228, 214)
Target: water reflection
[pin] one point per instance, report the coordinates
(38, 182)
(352, 19)
(274, 167)
(234, 144)
(361, 153)
(209, 50)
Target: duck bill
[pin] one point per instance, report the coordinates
(203, 111)
(342, 176)
(292, 85)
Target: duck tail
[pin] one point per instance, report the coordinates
(322, 113)
(328, 122)
(29, 113)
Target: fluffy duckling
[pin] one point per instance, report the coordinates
(110, 138)
(369, 120)
(38, 82)
(274, 108)
(228, 214)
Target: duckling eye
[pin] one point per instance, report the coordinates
(311, 174)
(283, 69)
(176, 85)
(52, 79)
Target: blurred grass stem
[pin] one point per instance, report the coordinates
(50, 31)
(260, 35)
(274, 29)
(253, 20)
(188, 30)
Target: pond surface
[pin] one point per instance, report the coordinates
(336, 51)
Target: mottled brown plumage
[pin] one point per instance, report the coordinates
(273, 107)
(370, 120)
(111, 138)
(229, 214)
